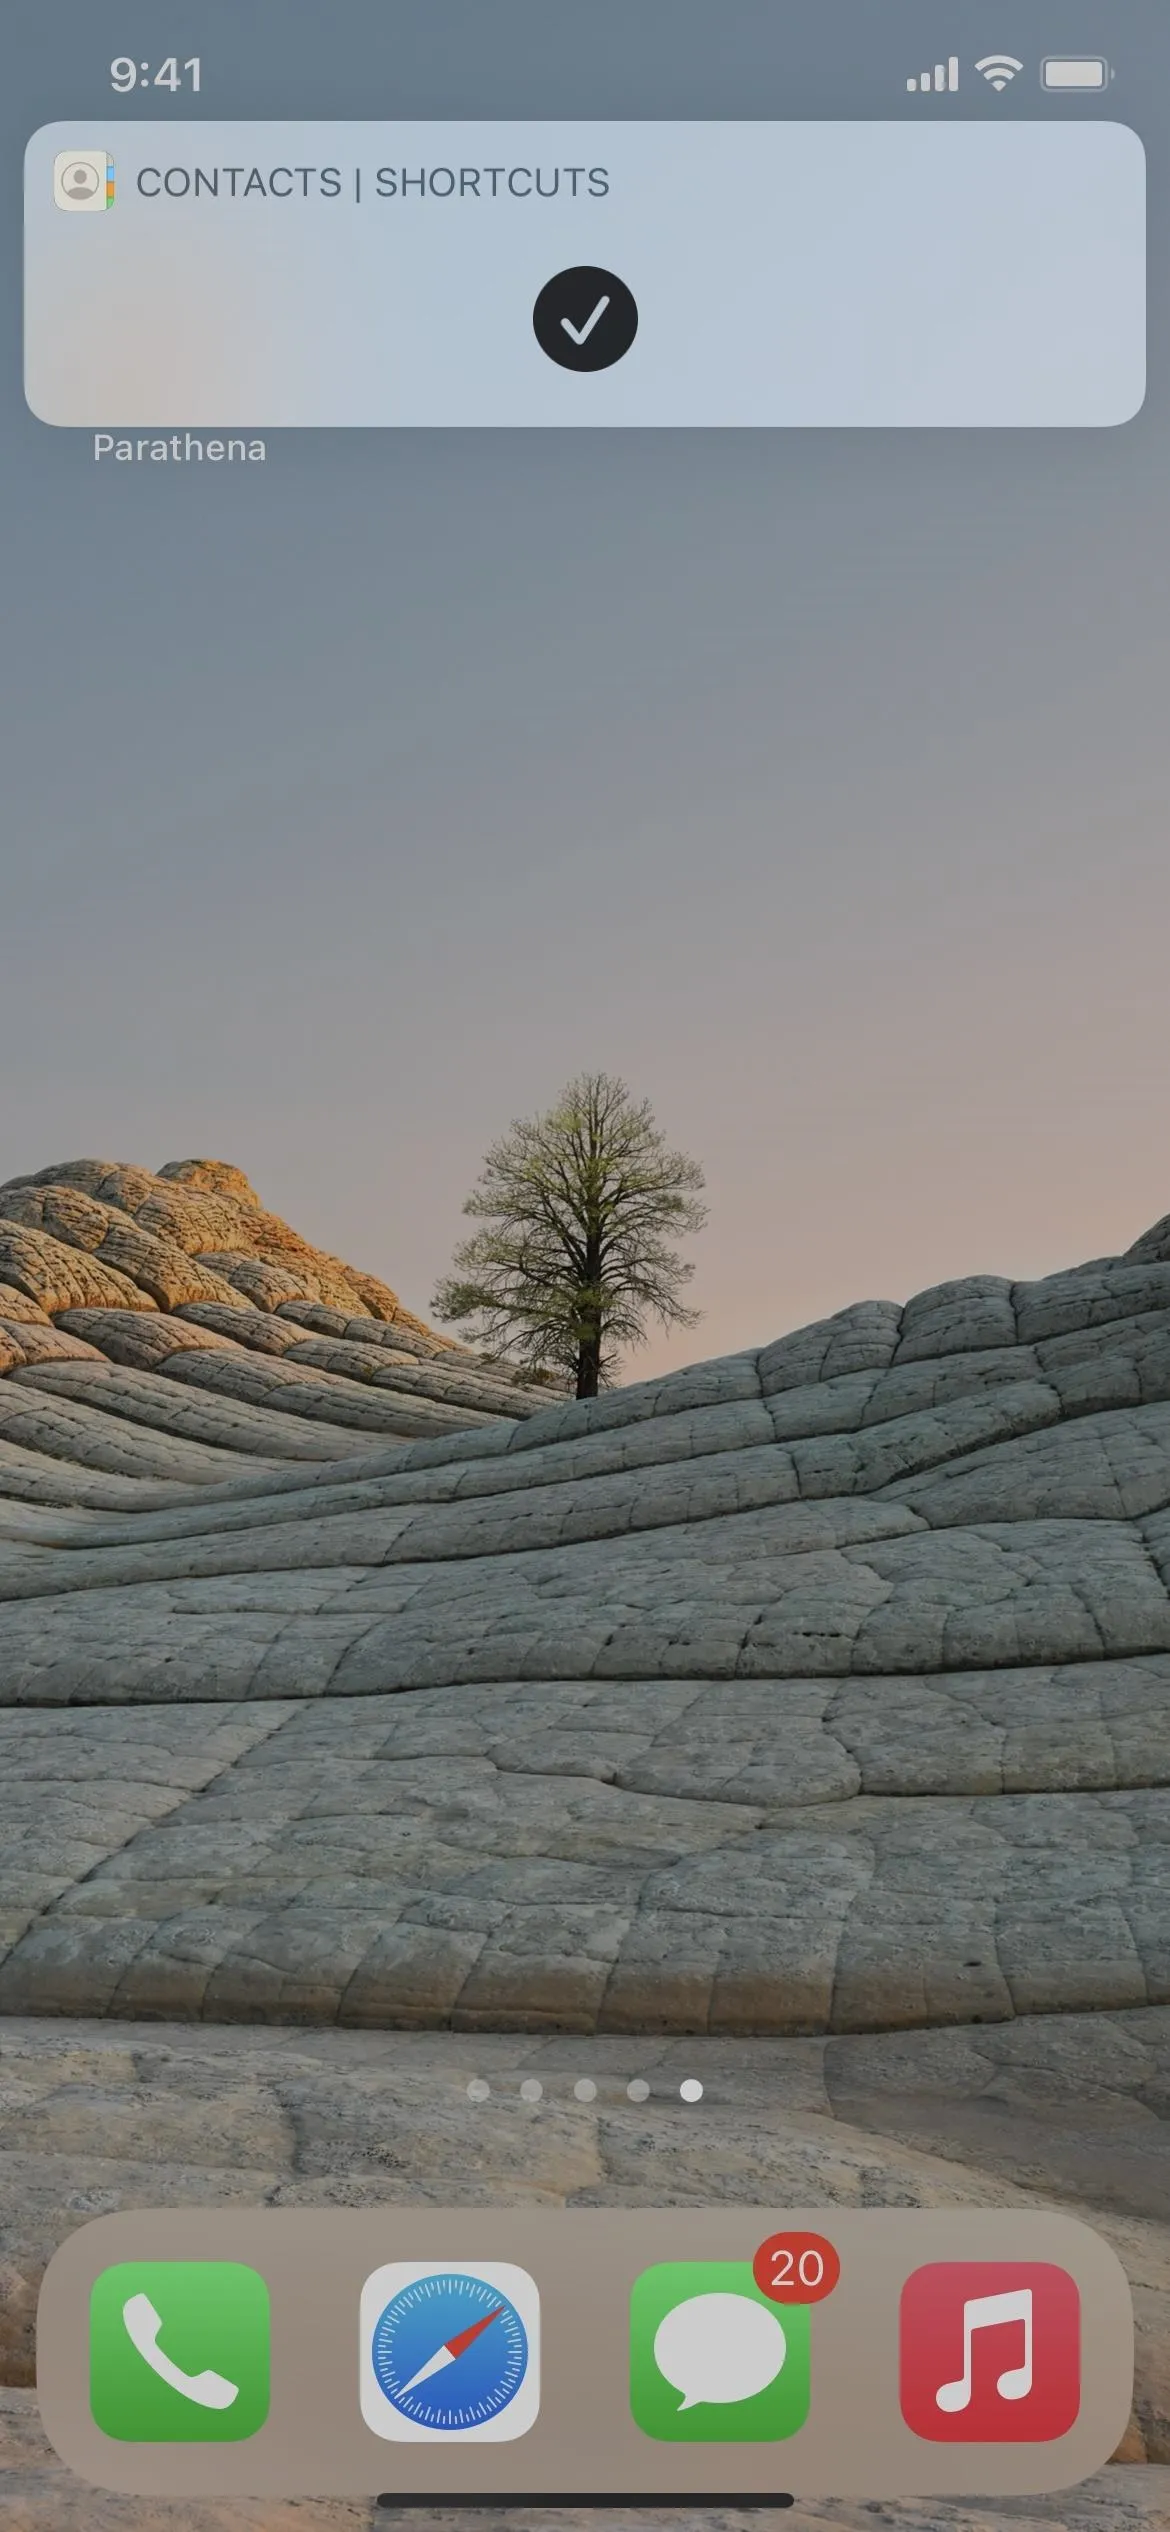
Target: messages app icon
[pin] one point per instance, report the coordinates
(712, 2360)
(178, 2352)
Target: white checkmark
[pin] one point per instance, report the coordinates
(581, 334)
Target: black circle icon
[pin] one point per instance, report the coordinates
(585, 318)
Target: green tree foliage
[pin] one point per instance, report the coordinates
(579, 1211)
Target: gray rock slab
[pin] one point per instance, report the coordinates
(320, 1396)
(691, 1858)
(150, 1399)
(821, 1691)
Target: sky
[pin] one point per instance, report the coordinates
(817, 783)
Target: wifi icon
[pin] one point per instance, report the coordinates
(999, 68)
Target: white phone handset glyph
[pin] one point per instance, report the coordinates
(143, 2323)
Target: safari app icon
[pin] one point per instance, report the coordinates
(450, 2355)
(712, 2360)
(83, 180)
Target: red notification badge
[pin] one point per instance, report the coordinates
(796, 2268)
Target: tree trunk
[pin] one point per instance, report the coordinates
(589, 1364)
(590, 1314)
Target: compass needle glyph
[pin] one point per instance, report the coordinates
(451, 2348)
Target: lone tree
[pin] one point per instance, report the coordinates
(579, 1208)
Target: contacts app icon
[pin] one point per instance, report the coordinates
(83, 180)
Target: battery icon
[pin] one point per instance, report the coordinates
(1075, 71)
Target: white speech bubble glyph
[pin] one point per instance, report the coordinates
(719, 2348)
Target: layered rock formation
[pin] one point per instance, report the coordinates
(821, 1688)
(113, 1279)
(816, 1697)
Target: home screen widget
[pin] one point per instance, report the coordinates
(990, 2352)
(450, 2355)
(179, 2352)
(713, 2360)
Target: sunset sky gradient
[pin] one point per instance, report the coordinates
(816, 783)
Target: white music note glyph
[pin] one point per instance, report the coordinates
(983, 2312)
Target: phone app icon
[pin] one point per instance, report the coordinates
(712, 2360)
(179, 2352)
(450, 2355)
(990, 2352)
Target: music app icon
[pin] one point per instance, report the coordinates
(990, 2352)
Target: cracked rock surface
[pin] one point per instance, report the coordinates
(395, 1721)
(823, 1688)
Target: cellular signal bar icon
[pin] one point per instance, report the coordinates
(936, 82)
